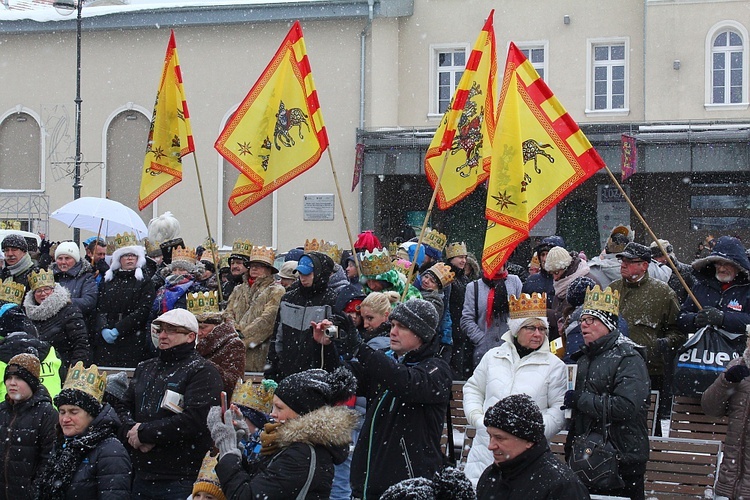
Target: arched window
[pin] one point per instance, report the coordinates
(21, 151)
(727, 59)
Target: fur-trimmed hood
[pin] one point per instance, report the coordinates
(115, 264)
(727, 249)
(79, 269)
(52, 305)
(329, 426)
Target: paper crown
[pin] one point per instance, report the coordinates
(456, 249)
(443, 273)
(392, 248)
(203, 303)
(605, 300)
(375, 263)
(87, 380)
(187, 254)
(242, 247)
(528, 306)
(332, 250)
(152, 247)
(12, 292)
(120, 241)
(207, 256)
(258, 396)
(265, 255)
(534, 262)
(312, 245)
(41, 278)
(435, 239)
(207, 480)
(402, 266)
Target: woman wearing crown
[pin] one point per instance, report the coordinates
(180, 278)
(88, 460)
(523, 364)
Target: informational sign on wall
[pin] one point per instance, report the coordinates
(318, 207)
(611, 209)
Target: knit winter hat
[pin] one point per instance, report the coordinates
(68, 248)
(448, 484)
(309, 390)
(15, 241)
(78, 398)
(577, 290)
(417, 315)
(557, 259)
(117, 384)
(208, 481)
(25, 366)
(518, 415)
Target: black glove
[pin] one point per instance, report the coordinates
(662, 345)
(101, 266)
(348, 339)
(736, 373)
(571, 399)
(168, 246)
(709, 316)
(44, 246)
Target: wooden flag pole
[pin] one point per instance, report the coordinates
(343, 212)
(424, 226)
(215, 254)
(653, 236)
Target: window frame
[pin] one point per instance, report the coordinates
(42, 148)
(591, 44)
(433, 112)
(716, 30)
(538, 44)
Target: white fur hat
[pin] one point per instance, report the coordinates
(68, 248)
(557, 259)
(115, 263)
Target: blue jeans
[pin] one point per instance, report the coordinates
(342, 488)
(168, 489)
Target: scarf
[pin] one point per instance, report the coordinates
(522, 351)
(496, 308)
(561, 285)
(21, 265)
(66, 459)
(170, 293)
(250, 281)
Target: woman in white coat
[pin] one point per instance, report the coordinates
(523, 364)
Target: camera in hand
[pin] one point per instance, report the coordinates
(332, 332)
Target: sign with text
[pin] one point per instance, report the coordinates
(318, 207)
(611, 210)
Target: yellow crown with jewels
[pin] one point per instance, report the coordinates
(152, 247)
(41, 279)
(186, 254)
(392, 248)
(258, 396)
(528, 306)
(606, 300)
(203, 303)
(121, 241)
(443, 273)
(312, 245)
(242, 247)
(456, 249)
(266, 255)
(332, 250)
(12, 292)
(375, 263)
(223, 261)
(87, 380)
(207, 256)
(402, 266)
(435, 239)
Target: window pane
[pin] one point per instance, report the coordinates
(537, 55)
(736, 60)
(735, 40)
(618, 102)
(618, 87)
(600, 102)
(459, 74)
(541, 72)
(444, 92)
(736, 94)
(600, 88)
(444, 78)
(735, 77)
(718, 78)
(459, 58)
(618, 52)
(721, 40)
(718, 95)
(718, 60)
(618, 72)
(601, 53)
(443, 106)
(600, 73)
(445, 59)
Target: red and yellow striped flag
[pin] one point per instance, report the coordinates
(539, 156)
(170, 137)
(463, 139)
(277, 132)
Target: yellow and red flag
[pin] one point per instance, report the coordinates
(170, 137)
(539, 156)
(463, 139)
(277, 132)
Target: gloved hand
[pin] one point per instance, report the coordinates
(348, 339)
(44, 246)
(101, 266)
(662, 345)
(222, 433)
(709, 316)
(110, 335)
(240, 426)
(737, 373)
(571, 400)
(268, 438)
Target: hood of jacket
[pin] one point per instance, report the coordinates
(329, 426)
(115, 264)
(347, 294)
(729, 249)
(19, 342)
(322, 270)
(52, 305)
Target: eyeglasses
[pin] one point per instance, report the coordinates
(532, 329)
(44, 290)
(588, 320)
(168, 329)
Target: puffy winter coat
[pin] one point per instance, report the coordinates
(81, 283)
(407, 401)
(124, 303)
(325, 432)
(536, 474)
(60, 323)
(612, 374)
(181, 439)
(254, 309)
(463, 349)
(732, 400)
(225, 350)
(21, 276)
(13, 319)
(27, 433)
(18, 342)
(541, 375)
(475, 326)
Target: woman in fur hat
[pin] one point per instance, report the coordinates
(180, 278)
(309, 436)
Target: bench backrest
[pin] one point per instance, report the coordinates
(689, 421)
(682, 468)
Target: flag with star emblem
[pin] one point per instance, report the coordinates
(462, 141)
(277, 132)
(539, 156)
(170, 137)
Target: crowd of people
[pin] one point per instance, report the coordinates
(358, 350)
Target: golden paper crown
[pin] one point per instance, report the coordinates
(312, 246)
(203, 303)
(443, 273)
(435, 239)
(257, 396)
(265, 255)
(332, 250)
(41, 279)
(14, 225)
(207, 256)
(375, 263)
(207, 480)
(87, 380)
(223, 261)
(392, 248)
(528, 306)
(120, 241)
(534, 262)
(151, 246)
(12, 292)
(402, 266)
(605, 300)
(186, 254)
(242, 247)
(456, 249)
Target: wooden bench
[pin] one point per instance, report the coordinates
(688, 421)
(682, 468)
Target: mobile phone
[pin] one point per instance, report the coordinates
(223, 404)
